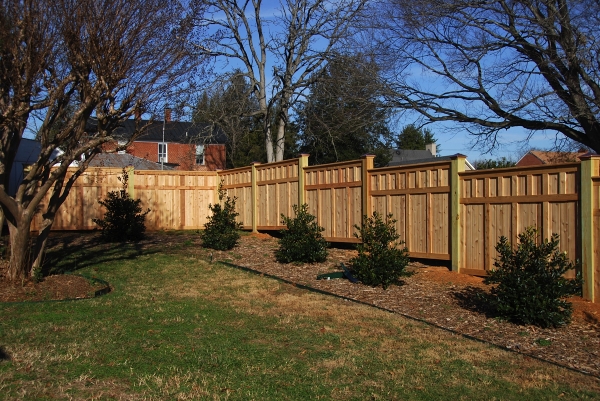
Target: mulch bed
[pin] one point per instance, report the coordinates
(433, 294)
(440, 297)
(52, 288)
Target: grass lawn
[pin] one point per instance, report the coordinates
(178, 328)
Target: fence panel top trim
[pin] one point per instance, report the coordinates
(410, 167)
(332, 166)
(520, 170)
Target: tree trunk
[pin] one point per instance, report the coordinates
(1, 221)
(280, 142)
(20, 256)
(40, 245)
(269, 145)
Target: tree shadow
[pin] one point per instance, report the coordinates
(4, 355)
(68, 252)
(475, 299)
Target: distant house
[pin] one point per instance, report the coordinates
(176, 144)
(404, 156)
(27, 153)
(125, 160)
(538, 157)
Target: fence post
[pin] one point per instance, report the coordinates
(457, 165)
(302, 162)
(588, 242)
(254, 198)
(130, 182)
(367, 164)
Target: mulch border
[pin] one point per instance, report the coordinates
(417, 319)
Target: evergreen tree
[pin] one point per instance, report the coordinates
(228, 106)
(414, 138)
(344, 116)
(491, 163)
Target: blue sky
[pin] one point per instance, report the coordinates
(513, 141)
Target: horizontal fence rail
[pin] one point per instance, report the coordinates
(443, 212)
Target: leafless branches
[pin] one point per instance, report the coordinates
(294, 41)
(70, 60)
(497, 64)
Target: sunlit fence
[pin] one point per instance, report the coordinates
(443, 212)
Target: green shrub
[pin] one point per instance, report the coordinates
(531, 286)
(221, 232)
(124, 219)
(381, 260)
(302, 241)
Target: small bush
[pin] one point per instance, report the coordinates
(302, 241)
(380, 259)
(531, 286)
(222, 231)
(124, 219)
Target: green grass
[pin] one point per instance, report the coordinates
(178, 328)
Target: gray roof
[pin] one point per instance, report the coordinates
(402, 156)
(174, 131)
(123, 160)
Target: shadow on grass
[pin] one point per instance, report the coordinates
(475, 299)
(68, 252)
(4, 355)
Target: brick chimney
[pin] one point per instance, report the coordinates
(167, 114)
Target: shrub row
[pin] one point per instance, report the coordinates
(528, 284)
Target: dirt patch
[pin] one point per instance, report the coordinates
(58, 287)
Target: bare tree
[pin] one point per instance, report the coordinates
(497, 64)
(293, 41)
(67, 61)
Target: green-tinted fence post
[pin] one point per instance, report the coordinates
(367, 164)
(588, 242)
(130, 182)
(254, 198)
(457, 165)
(302, 162)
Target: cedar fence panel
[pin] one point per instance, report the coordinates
(81, 206)
(596, 233)
(418, 197)
(276, 192)
(333, 193)
(178, 200)
(238, 183)
(503, 202)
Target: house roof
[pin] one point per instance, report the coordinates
(402, 156)
(547, 157)
(174, 131)
(123, 160)
(430, 159)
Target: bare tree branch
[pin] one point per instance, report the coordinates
(67, 61)
(295, 42)
(496, 64)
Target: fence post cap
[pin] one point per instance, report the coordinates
(588, 155)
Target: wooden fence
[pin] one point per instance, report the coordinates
(442, 211)
(177, 199)
(504, 202)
